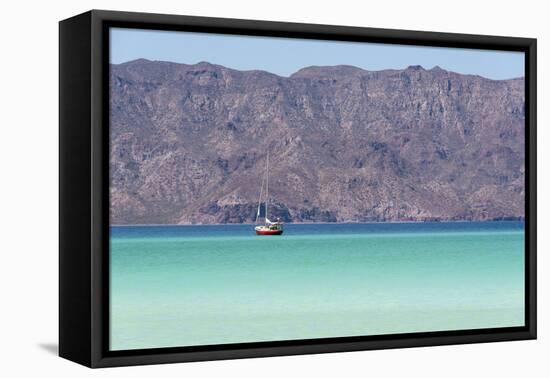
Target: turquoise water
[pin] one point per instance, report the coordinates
(201, 285)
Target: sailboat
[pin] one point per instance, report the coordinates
(269, 227)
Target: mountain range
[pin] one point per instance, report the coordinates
(189, 144)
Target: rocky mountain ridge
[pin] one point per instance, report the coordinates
(189, 143)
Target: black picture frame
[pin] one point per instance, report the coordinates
(84, 177)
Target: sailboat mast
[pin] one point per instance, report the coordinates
(267, 185)
(269, 227)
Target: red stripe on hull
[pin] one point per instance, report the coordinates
(269, 232)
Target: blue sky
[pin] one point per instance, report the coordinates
(284, 56)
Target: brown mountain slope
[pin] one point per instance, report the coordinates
(189, 142)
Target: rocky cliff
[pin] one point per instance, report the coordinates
(189, 143)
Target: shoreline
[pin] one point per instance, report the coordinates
(310, 223)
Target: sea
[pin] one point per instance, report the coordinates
(221, 284)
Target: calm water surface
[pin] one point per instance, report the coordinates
(200, 285)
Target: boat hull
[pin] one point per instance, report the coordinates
(269, 232)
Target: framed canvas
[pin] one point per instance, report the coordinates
(235, 188)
